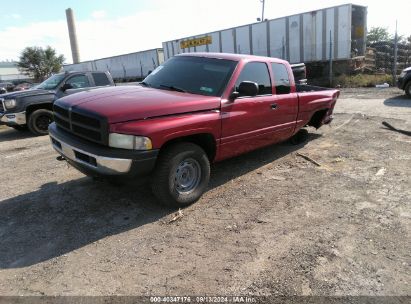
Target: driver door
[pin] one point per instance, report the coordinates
(247, 122)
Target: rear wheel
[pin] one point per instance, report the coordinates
(39, 121)
(408, 89)
(181, 175)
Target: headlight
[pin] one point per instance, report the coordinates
(10, 103)
(131, 142)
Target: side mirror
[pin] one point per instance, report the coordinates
(66, 86)
(248, 88)
(234, 95)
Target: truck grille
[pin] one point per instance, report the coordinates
(86, 125)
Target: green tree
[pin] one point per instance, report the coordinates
(376, 34)
(40, 63)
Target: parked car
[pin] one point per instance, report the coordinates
(195, 109)
(404, 81)
(22, 86)
(33, 108)
(6, 87)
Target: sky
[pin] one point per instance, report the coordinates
(107, 27)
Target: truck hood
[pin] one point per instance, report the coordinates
(26, 93)
(127, 103)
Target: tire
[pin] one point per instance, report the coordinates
(408, 89)
(39, 121)
(20, 128)
(181, 175)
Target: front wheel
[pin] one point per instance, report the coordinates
(39, 121)
(181, 175)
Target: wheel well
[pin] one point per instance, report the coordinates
(204, 140)
(31, 108)
(317, 118)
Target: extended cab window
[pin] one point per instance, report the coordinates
(78, 81)
(100, 79)
(258, 73)
(281, 78)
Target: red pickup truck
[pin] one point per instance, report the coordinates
(193, 110)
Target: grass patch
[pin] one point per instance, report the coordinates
(362, 80)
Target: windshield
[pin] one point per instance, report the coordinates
(196, 75)
(51, 83)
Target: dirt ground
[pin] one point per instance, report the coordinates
(271, 223)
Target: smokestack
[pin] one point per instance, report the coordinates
(73, 36)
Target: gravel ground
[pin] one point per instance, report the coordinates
(271, 223)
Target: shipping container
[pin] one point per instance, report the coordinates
(123, 67)
(306, 37)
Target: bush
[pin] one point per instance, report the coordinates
(362, 80)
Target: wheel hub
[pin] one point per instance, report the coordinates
(43, 122)
(187, 175)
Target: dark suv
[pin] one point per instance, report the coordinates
(404, 81)
(32, 108)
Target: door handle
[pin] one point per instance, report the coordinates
(273, 106)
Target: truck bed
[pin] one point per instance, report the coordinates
(300, 88)
(315, 105)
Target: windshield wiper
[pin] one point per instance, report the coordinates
(173, 88)
(145, 84)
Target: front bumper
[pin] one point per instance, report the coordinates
(13, 119)
(96, 160)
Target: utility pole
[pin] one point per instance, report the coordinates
(72, 35)
(394, 70)
(331, 61)
(262, 13)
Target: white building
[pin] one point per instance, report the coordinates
(10, 73)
